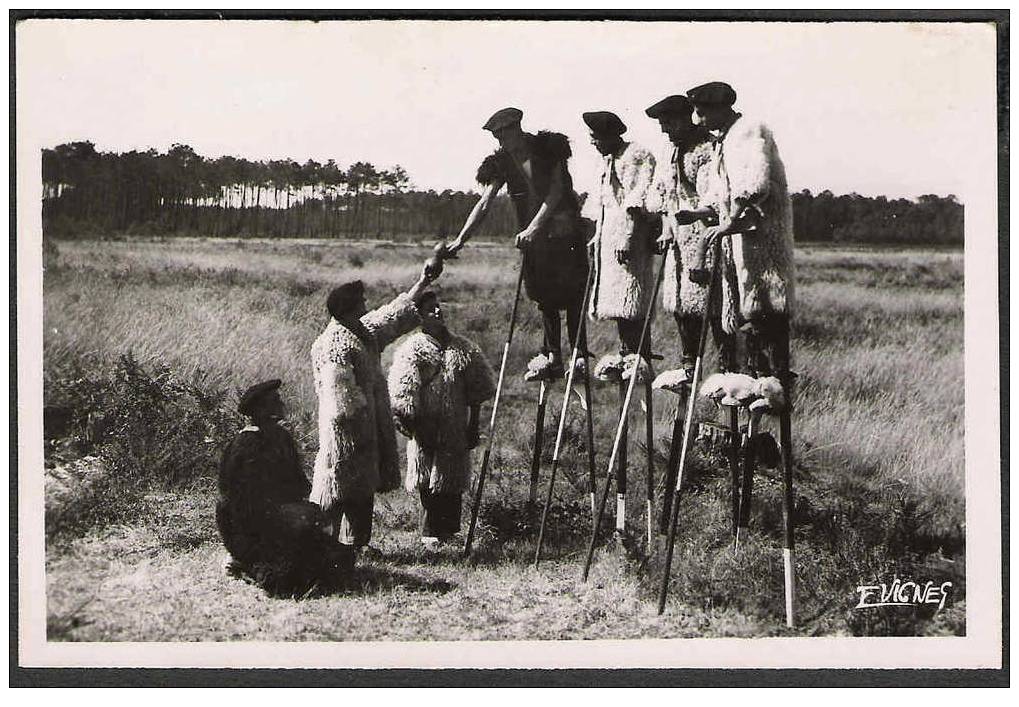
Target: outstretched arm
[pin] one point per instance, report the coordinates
(476, 217)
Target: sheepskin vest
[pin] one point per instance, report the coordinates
(357, 453)
(435, 386)
(746, 167)
(555, 266)
(622, 291)
(681, 182)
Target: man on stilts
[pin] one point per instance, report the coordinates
(749, 197)
(623, 253)
(679, 193)
(534, 170)
(533, 167)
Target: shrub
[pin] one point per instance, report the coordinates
(142, 430)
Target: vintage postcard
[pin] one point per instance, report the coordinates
(519, 343)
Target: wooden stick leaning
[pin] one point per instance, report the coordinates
(691, 402)
(622, 418)
(562, 422)
(539, 443)
(495, 412)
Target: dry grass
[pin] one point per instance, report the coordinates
(879, 448)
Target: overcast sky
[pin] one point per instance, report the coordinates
(872, 108)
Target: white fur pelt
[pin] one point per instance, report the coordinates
(682, 182)
(622, 291)
(434, 386)
(357, 453)
(747, 167)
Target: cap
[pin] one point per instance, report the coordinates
(713, 93)
(342, 298)
(670, 105)
(251, 397)
(604, 123)
(502, 118)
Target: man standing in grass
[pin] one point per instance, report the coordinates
(750, 199)
(437, 384)
(273, 534)
(623, 238)
(533, 168)
(357, 453)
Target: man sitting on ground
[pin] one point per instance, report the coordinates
(273, 534)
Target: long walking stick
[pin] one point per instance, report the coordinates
(591, 481)
(562, 422)
(539, 443)
(691, 402)
(621, 462)
(491, 422)
(622, 420)
(785, 431)
(649, 428)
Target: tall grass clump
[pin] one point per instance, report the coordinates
(124, 432)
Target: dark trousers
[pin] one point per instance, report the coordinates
(768, 345)
(355, 516)
(551, 325)
(629, 336)
(689, 326)
(440, 514)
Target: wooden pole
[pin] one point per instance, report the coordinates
(649, 428)
(735, 444)
(562, 424)
(788, 552)
(622, 421)
(674, 518)
(539, 443)
(747, 489)
(491, 423)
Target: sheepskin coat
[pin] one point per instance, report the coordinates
(682, 182)
(434, 386)
(555, 266)
(746, 167)
(357, 453)
(622, 291)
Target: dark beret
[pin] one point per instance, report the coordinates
(502, 118)
(251, 397)
(342, 298)
(713, 93)
(670, 105)
(603, 122)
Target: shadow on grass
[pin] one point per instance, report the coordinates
(373, 579)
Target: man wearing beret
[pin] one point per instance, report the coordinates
(273, 534)
(751, 199)
(623, 237)
(533, 168)
(357, 453)
(681, 185)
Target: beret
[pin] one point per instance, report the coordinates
(604, 123)
(502, 118)
(342, 298)
(714, 92)
(670, 105)
(249, 400)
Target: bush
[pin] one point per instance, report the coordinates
(141, 430)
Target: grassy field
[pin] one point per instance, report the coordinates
(132, 550)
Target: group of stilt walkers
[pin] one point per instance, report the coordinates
(718, 214)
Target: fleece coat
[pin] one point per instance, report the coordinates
(357, 453)
(555, 264)
(681, 183)
(622, 291)
(747, 169)
(434, 386)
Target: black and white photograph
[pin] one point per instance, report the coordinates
(519, 343)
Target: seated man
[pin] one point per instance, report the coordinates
(273, 535)
(437, 384)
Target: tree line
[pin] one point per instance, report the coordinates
(88, 193)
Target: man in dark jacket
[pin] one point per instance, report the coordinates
(552, 235)
(273, 534)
